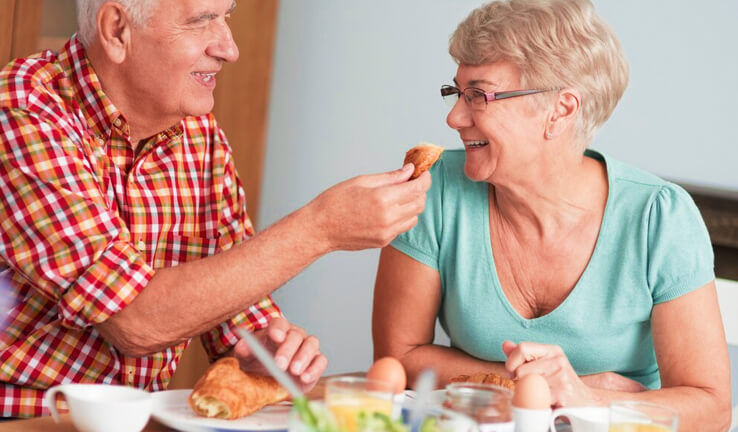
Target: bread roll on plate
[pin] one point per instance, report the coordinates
(225, 391)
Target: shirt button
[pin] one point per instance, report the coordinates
(117, 122)
(141, 246)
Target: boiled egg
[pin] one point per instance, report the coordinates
(389, 370)
(532, 392)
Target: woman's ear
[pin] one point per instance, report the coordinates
(564, 114)
(114, 31)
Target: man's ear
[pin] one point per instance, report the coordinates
(114, 31)
(564, 114)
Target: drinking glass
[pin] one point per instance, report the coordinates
(433, 419)
(347, 397)
(627, 416)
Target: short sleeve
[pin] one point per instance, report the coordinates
(680, 257)
(58, 229)
(422, 242)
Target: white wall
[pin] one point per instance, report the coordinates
(356, 83)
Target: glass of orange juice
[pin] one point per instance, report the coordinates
(629, 416)
(348, 397)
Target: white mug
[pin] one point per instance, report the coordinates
(531, 420)
(102, 407)
(583, 419)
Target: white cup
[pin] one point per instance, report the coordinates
(583, 419)
(102, 407)
(530, 420)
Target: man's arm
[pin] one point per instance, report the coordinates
(184, 301)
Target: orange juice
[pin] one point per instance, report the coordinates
(346, 408)
(635, 427)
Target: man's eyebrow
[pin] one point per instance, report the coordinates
(208, 15)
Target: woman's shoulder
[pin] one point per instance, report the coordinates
(631, 182)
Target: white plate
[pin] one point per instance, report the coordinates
(171, 409)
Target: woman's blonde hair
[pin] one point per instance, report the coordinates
(554, 43)
(139, 11)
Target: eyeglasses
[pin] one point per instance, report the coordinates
(478, 98)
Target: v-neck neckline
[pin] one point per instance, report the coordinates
(492, 269)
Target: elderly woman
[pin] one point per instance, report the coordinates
(539, 256)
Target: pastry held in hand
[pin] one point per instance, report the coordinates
(226, 392)
(423, 156)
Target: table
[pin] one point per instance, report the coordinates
(47, 424)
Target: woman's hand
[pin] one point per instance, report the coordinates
(294, 351)
(549, 361)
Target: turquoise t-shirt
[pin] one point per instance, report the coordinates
(652, 247)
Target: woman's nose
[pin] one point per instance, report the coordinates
(223, 47)
(459, 117)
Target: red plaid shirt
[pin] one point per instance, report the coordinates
(85, 220)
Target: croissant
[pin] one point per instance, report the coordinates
(486, 378)
(225, 391)
(423, 156)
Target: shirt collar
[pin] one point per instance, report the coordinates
(101, 115)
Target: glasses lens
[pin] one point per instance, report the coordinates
(475, 98)
(450, 95)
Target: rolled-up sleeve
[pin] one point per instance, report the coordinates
(58, 229)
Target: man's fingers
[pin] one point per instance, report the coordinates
(315, 370)
(407, 191)
(286, 351)
(389, 178)
(277, 330)
(309, 348)
(241, 349)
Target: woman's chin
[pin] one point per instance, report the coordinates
(476, 173)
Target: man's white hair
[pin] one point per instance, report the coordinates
(138, 10)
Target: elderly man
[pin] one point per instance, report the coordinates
(123, 220)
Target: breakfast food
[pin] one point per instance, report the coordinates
(225, 391)
(486, 378)
(389, 370)
(423, 156)
(532, 392)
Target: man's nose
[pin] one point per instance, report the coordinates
(460, 116)
(224, 47)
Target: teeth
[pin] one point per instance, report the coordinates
(205, 77)
(476, 143)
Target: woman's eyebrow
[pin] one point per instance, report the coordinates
(476, 82)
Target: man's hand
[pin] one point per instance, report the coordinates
(294, 351)
(369, 211)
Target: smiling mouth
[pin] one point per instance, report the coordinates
(475, 144)
(204, 77)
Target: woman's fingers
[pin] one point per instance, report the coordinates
(526, 352)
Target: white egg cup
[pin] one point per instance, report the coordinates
(531, 420)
